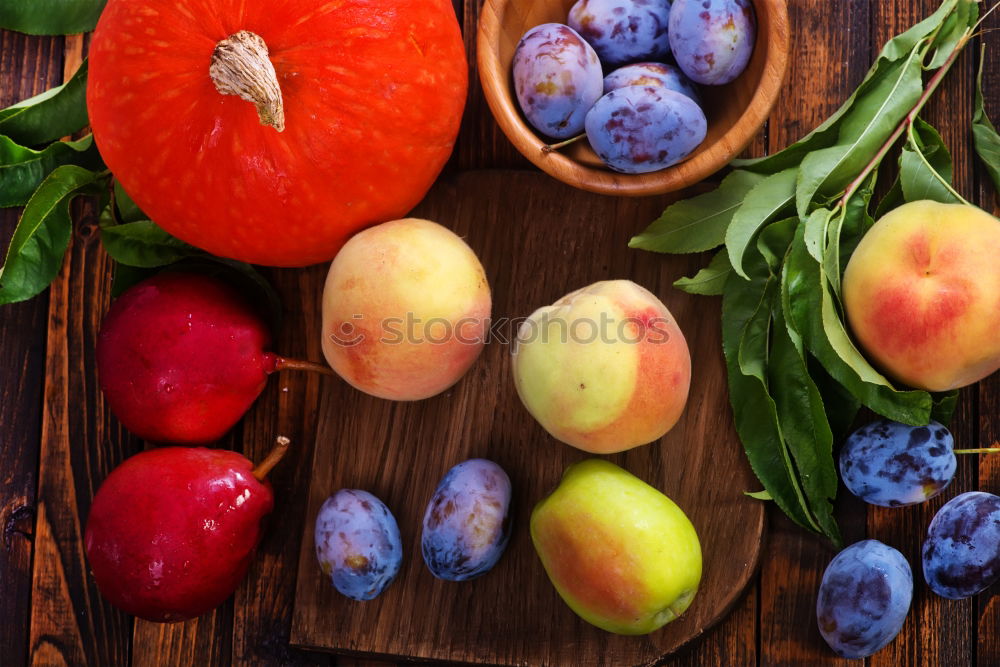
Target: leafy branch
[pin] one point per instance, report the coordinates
(789, 223)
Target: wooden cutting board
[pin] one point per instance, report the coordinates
(538, 240)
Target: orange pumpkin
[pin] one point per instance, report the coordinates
(270, 130)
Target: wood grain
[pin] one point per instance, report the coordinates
(70, 623)
(481, 142)
(400, 450)
(70, 620)
(987, 604)
(289, 406)
(29, 65)
(932, 619)
(735, 111)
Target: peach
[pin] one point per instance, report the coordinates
(922, 294)
(621, 554)
(604, 369)
(406, 310)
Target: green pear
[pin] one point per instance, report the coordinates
(621, 554)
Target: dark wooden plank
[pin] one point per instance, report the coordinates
(28, 66)
(987, 604)
(203, 641)
(289, 406)
(70, 622)
(731, 642)
(481, 143)
(827, 63)
(400, 450)
(937, 631)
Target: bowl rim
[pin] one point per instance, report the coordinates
(605, 181)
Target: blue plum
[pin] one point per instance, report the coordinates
(961, 554)
(638, 129)
(358, 544)
(466, 525)
(891, 464)
(652, 74)
(623, 31)
(557, 78)
(864, 598)
(712, 40)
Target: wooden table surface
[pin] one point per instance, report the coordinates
(58, 440)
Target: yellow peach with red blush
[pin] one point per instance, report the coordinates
(922, 294)
(605, 368)
(406, 310)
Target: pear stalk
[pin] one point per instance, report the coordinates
(282, 364)
(281, 444)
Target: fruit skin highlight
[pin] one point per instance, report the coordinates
(864, 598)
(621, 554)
(406, 310)
(181, 357)
(961, 555)
(358, 544)
(171, 531)
(922, 294)
(605, 368)
(372, 93)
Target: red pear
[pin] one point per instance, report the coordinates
(182, 356)
(172, 530)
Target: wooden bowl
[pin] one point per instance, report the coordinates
(735, 111)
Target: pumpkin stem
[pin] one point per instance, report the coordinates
(240, 66)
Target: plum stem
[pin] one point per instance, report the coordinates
(282, 364)
(240, 66)
(551, 148)
(278, 452)
(995, 449)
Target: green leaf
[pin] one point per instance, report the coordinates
(925, 166)
(22, 169)
(841, 405)
(56, 113)
(808, 303)
(773, 242)
(984, 134)
(758, 495)
(955, 27)
(42, 234)
(803, 422)
(126, 210)
(50, 17)
(902, 44)
(944, 406)
(815, 230)
(711, 280)
(846, 231)
(892, 199)
(698, 223)
(746, 307)
(862, 132)
(143, 244)
(766, 200)
(825, 135)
